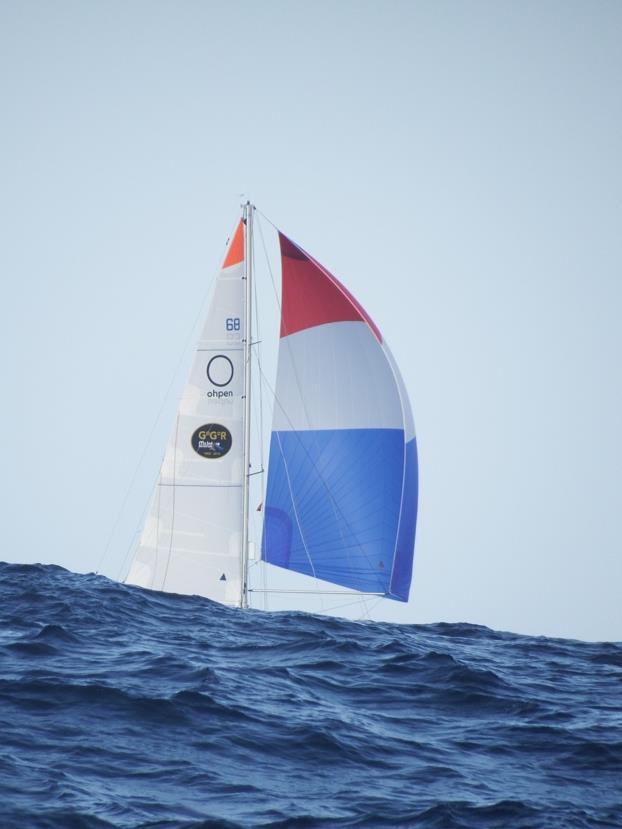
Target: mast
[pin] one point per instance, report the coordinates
(248, 316)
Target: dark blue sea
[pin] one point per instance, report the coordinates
(125, 708)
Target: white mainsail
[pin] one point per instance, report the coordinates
(192, 539)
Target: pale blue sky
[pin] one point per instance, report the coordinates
(457, 165)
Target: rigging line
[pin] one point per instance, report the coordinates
(139, 524)
(291, 494)
(270, 222)
(247, 220)
(348, 604)
(352, 593)
(258, 354)
(399, 519)
(128, 550)
(265, 250)
(335, 282)
(334, 362)
(332, 501)
(259, 476)
(308, 420)
(170, 543)
(263, 568)
(298, 385)
(372, 608)
(157, 544)
(132, 545)
(321, 478)
(289, 484)
(336, 510)
(364, 608)
(182, 356)
(256, 393)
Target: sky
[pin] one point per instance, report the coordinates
(456, 164)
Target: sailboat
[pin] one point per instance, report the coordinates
(340, 501)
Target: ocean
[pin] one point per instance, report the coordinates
(125, 708)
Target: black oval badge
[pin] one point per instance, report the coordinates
(212, 440)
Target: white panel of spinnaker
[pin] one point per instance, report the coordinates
(407, 414)
(335, 376)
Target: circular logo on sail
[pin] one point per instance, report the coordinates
(211, 440)
(220, 370)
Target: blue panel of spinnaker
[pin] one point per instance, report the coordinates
(341, 506)
(403, 563)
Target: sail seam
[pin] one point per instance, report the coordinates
(291, 493)
(331, 498)
(170, 543)
(215, 486)
(334, 506)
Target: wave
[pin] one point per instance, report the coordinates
(126, 708)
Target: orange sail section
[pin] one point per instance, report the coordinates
(235, 254)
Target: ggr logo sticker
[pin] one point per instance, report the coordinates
(212, 440)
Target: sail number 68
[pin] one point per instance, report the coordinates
(232, 323)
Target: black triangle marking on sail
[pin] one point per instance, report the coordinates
(223, 578)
